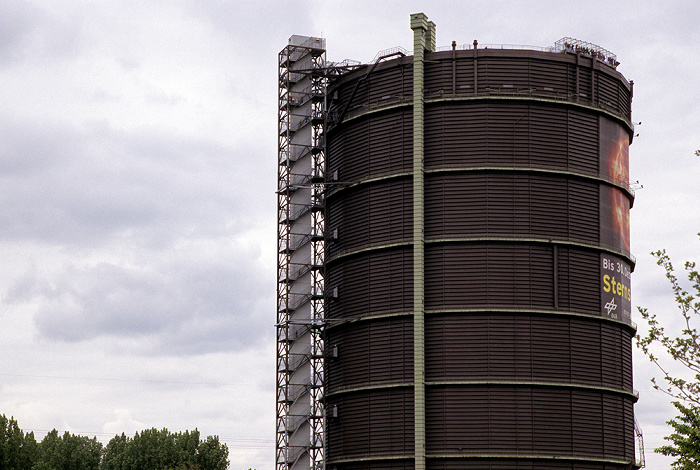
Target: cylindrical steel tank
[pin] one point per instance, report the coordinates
(527, 330)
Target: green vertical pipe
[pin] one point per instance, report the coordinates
(420, 27)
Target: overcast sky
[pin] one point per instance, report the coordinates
(137, 206)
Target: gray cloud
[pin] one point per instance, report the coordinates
(28, 32)
(183, 307)
(17, 20)
(82, 187)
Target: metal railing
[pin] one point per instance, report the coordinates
(398, 50)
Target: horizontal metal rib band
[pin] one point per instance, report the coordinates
(523, 456)
(372, 458)
(342, 186)
(548, 241)
(339, 322)
(554, 463)
(336, 187)
(483, 456)
(399, 105)
(370, 248)
(505, 309)
(626, 256)
(368, 387)
(633, 394)
(378, 386)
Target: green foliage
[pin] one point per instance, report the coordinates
(17, 450)
(68, 452)
(212, 455)
(682, 347)
(154, 449)
(150, 449)
(686, 438)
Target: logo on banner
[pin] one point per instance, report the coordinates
(611, 306)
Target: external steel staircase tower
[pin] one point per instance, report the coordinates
(300, 286)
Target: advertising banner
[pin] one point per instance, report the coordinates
(614, 152)
(615, 288)
(614, 219)
(614, 203)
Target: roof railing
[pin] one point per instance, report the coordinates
(563, 45)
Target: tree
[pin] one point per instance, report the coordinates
(212, 455)
(17, 450)
(684, 348)
(68, 452)
(686, 438)
(154, 449)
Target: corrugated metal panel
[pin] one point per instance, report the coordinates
(499, 72)
(438, 77)
(372, 147)
(372, 214)
(616, 442)
(522, 347)
(510, 464)
(578, 280)
(466, 134)
(612, 94)
(493, 419)
(583, 211)
(585, 84)
(374, 283)
(370, 423)
(478, 275)
(377, 351)
(557, 79)
(406, 464)
(390, 83)
(582, 138)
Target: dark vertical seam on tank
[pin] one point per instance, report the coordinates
(454, 67)
(594, 95)
(578, 80)
(555, 258)
(475, 66)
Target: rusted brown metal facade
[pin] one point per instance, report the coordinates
(527, 331)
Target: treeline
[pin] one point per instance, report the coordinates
(151, 449)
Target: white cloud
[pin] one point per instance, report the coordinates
(123, 423)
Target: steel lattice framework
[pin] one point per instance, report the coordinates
(300, 280)
(301, 183)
